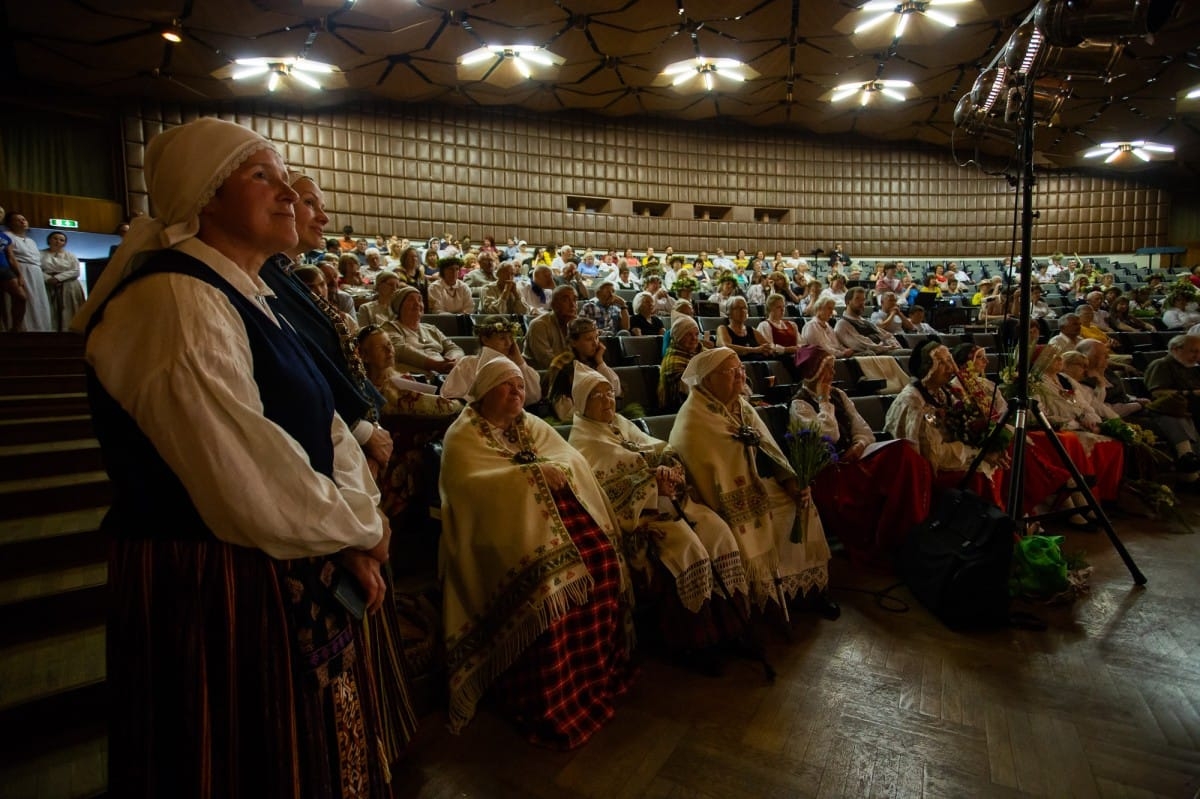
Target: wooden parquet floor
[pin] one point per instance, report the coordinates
(1104, 703)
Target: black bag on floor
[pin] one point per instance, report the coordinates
(957, 562)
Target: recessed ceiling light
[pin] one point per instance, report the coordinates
(901, 11)
(868, 89)
(1129, 153)
(301, 70)
(522, 56)
(708, 70)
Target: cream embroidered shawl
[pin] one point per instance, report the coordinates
(509, 568)
(628, 479)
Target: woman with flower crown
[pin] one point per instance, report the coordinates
(536, 596)
(497, 337)
(736, 468)
(925, 413)
(950, 425)
(873, 495)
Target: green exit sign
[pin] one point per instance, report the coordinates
(69, 223)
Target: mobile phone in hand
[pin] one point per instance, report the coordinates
(348, 592)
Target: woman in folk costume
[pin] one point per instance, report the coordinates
(737, 469)
(536, 597)
(873, 496)
(240, 497)
(921, 414)
(1077, 426)
(673, 546)
(684, 343)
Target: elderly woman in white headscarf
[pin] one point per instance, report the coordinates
(675, 547)
(535, 592)
(244, 517)
(736, 468)
(683, 346)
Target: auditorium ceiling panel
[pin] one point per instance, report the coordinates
(610, 56)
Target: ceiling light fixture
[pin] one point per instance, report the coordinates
(301, 70)
(173, 33)
(1194, 93)
(521, 56)
(903, 10)
(728, 68)
(1144, 151)
(865, 90)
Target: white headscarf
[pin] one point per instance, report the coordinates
(585, 381)
(681, 325)
(184, 167)
(703, 364)
(491, 374)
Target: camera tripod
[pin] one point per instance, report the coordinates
(1022, 407)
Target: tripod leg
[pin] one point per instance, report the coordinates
(1138, 577)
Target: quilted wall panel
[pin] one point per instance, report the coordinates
(423, 171)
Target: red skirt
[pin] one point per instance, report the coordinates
(873, 503)
(1045, 474)
(560, 691)
(1107, 464)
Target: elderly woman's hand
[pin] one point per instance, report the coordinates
(668, 479)
(378, 448)
(556, 478)
(855, 452)
(366, 570)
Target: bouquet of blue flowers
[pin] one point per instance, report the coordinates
(809, 452)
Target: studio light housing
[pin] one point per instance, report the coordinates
(1068, 23)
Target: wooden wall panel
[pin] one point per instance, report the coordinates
(92, 214)
(422, 171)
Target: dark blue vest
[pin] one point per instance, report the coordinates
(293, 300)
(149, 500)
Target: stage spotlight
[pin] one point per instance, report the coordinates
(978, 122)
(1067, 23)
(1028, 53)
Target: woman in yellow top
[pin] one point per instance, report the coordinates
(931, 285)
(1089, 329)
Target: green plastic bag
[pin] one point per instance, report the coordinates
(1039, 568)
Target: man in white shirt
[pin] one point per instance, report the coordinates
(565, 255)
(1068, 333)
(889, 317)
(536, 292)
(1096, 300)
(857, 333)
(547, 335)
(485, 273)
(449, 294)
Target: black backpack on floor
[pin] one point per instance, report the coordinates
(957, 562)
